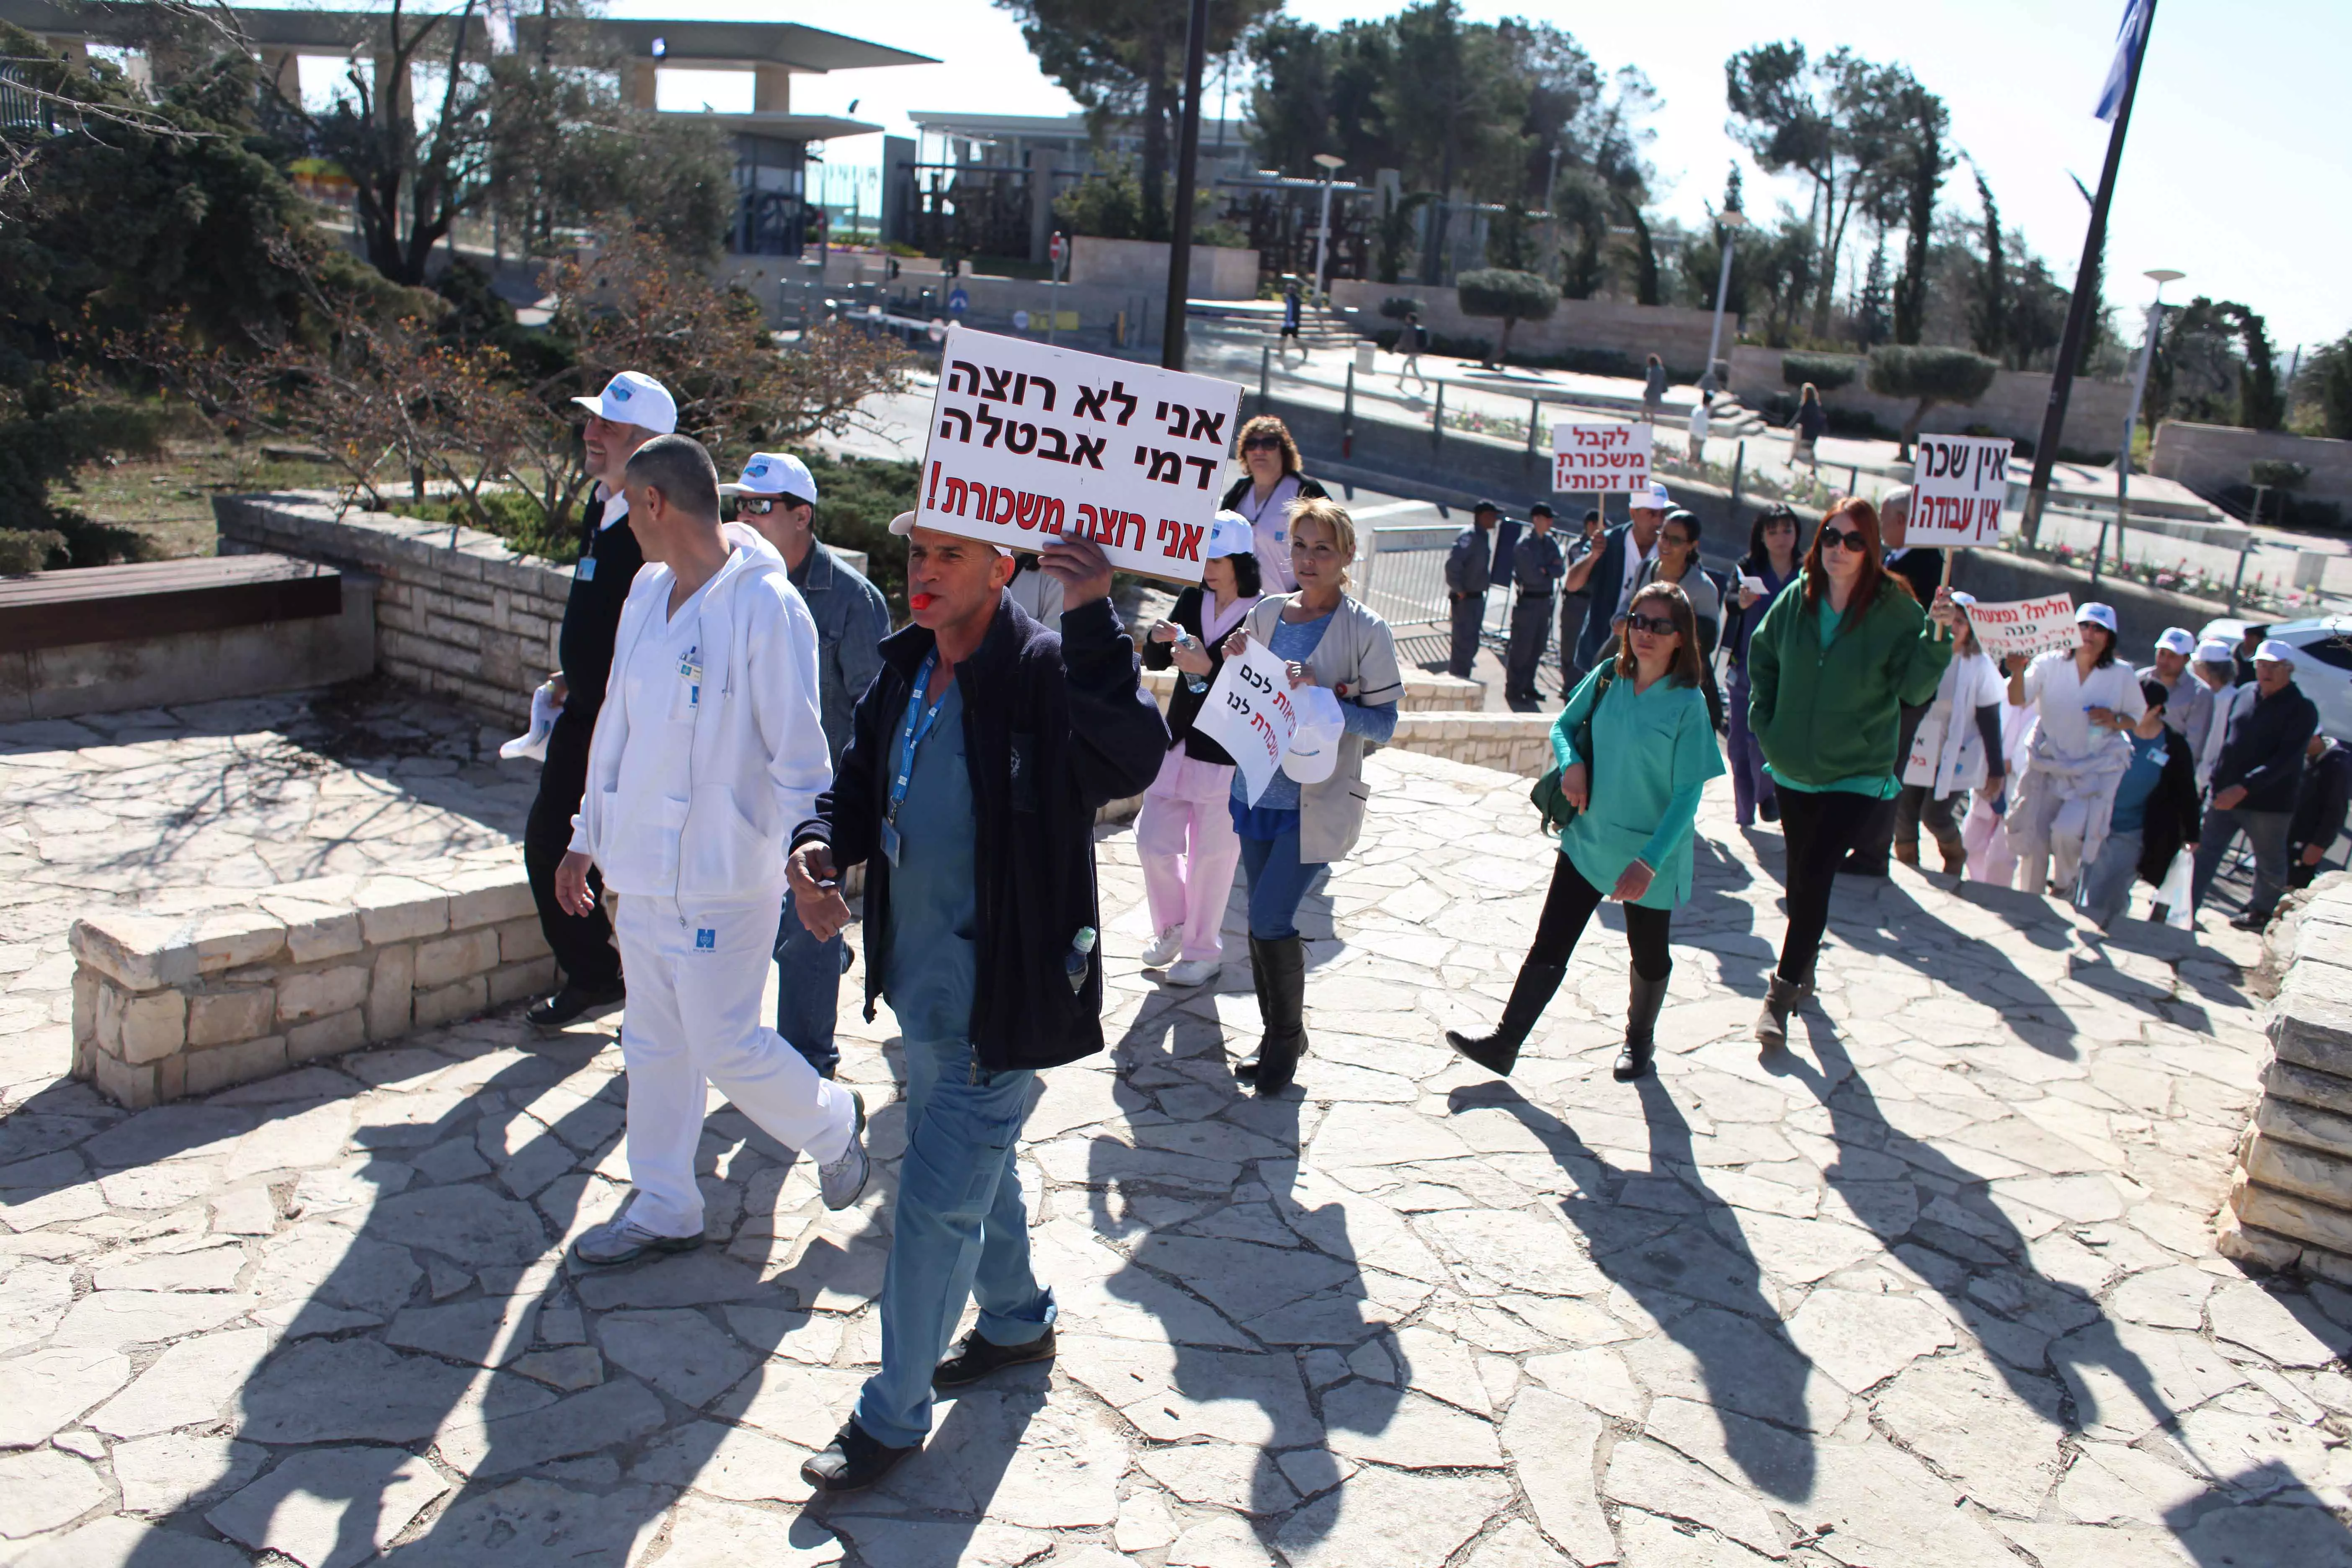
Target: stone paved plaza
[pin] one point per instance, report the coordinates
(1934, 1289)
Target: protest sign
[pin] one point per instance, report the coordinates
(1249, 712)
(1957, 486)
(1028, 441)
(1600, 458)
(2025, 626)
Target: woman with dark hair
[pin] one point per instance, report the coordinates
(1677, 563)
(2082, 701)
(1270, 483)
(1184, 833)
(1769, 565)
(1830, 669)
(1636, 750)
(1811, 420)
(2153, 816)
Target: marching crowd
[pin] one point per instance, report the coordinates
(740, 729)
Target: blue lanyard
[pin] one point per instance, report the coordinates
(916, 728)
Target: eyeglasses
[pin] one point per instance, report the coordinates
(1656, 625)
(1841, 539)
(755, 506)
(1263, 444)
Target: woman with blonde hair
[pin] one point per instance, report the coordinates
(1635, 747)
(1308, 818)
(1271, 483)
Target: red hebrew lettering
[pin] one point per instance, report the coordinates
(1190, 548)
(931, 500)
(1049, 514)
(1086, 515)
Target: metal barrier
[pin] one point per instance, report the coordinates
(1404, 584)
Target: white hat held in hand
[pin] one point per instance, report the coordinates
(633, 397)
(774, 474)
(1315, 748)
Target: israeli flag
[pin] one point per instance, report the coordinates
(2131, 38)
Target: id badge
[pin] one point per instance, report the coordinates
(586, 570)
(889, 841)
(689, 670)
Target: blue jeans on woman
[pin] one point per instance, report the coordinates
(1750, 785)
(1276, 883)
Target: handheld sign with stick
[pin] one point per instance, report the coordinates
(1957, 486)
(1605, 458)
(1028, 441)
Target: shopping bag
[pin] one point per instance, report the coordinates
(2173, 893)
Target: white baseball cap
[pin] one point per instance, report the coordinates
(1229, 534)
(903, 525)
(1653, 499)
(1314, 746)
(2213, 650)
(2176, 640)
(2283, 652)
(1964, 600)
(2096, 615)
(774, 474)
(633, 397)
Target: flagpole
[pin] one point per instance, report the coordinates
(2078, 309)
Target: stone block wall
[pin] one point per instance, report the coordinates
(167, 1006)
(1676, 334)
(2290, 1204)
(2208, 458)
(1512, 742)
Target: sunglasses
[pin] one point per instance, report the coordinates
(1842, 539)
(1263, 444)
(1656, 625)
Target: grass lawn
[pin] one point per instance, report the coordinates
(168, 499)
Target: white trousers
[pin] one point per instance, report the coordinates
(1184, 836)
(696, 978)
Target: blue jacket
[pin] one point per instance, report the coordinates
(1056, 725)
(851, 622)
(1602, 588)
(2265, 748)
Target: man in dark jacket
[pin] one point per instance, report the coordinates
(1536, 567)
(2320, 806)
(631, 411)
(977, 761)
(1468, 570)
(2254, 783)
(1609, 572)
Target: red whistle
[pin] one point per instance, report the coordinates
(918, 601)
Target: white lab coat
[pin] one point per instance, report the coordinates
(1947, 753)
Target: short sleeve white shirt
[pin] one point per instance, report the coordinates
(2055, 688)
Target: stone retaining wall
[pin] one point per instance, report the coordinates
(171, 1005)
(2291, 1200)
(1513, 743)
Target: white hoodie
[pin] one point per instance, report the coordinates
(758, 759)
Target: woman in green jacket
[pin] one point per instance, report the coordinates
(1635, 747)
(1828, 673)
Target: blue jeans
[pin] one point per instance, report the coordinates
(1276, 882)
(808, 989)
(2105, 892)
(961, 1231)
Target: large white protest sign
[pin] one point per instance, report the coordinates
(2025, 626)
(1605, 458)
(1249, 712)
(1029, 441)
(1957, 486)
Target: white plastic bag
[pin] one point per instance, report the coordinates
(2173, 893)
(532, 743)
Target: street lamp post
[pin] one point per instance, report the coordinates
(1730, 222)
(1331, 166)
(2159, 276)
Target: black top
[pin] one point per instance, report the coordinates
(2172, 817)
(1185, 705)
(2263, 751)
(1922, 569)
(609, 559)
(2322, 803)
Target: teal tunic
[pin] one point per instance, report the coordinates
(1657, 752)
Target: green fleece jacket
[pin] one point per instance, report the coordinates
(1822, 715)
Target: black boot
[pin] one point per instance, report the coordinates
(1247, 1069)
(1282, 962)
(1640, 1027)
(1531, 995)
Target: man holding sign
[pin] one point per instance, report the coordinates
(975, 765)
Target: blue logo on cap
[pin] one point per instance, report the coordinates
(757, 470)
(620, 393)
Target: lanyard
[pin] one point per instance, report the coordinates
(911, 734)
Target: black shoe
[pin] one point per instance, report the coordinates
(977, 1358)
(852, 1462)
(572, 1004)
(1531, 995)
(1768, 811)
(1641, 1028)
(2250, 921)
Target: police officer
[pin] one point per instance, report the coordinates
(1537, 567)
(1467, 568)
(1573, 602)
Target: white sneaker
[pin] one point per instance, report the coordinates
(842, 1179)
(1194, 971)
(1164, 948)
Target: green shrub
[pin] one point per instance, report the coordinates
(1826, 372)
(1397, 306)
(24, 550)
(1928, 375)
(2277, 473)
(1513, 296)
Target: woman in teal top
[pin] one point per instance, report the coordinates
(1635, 747)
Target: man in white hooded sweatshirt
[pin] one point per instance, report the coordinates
(708, 752)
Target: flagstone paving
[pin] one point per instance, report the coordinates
(1936, 1287)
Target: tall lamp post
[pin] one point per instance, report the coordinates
(1330, 165)
(1730, 221)
(2159, 276)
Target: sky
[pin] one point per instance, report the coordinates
(2235, 173)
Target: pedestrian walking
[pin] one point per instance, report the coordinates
(2082, 701)
(708, 752)
(1037, 590)
(1829, 670)
(1769, 565)
(631, 410)
(1956, 750)
(1537, 567)
(1611, 571)
(1270, 483)
(1702, 416)
(2153, 816)
(777, 499)
(2321, 803)
(1290, 314)
(2187, 704)
(1921, 573)
(977, 761)
(1184, 833)
(1653, 388)
(2255, 784)
(1634, 747)
(1313, 811)
(1575, 604)
(1813, 420)
(1468, 571)
(2216, 669)
(1412, 339)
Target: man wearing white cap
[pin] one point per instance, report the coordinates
(2187, 706)
(2254, 783)
(1615, 568)
(2084, 701)
(2215, 668)
(631, 410)
(777, 497)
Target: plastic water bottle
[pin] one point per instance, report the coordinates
(1197, 683)
(1075, 962)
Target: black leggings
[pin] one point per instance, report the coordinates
(1570, 905)
(1819, 827)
